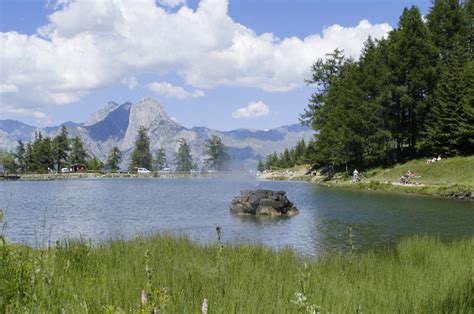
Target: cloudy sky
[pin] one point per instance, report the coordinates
(216, 63)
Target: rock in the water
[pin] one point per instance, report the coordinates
(263, 202)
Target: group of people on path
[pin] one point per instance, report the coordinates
(405, 179)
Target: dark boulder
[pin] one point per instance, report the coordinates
(263, 202)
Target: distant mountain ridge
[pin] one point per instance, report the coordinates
(117, 125)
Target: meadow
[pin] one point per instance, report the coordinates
(446, 172)
(449, 177)
(175, 275)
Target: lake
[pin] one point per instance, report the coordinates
(39, 213)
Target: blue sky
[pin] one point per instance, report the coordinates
(209, 64)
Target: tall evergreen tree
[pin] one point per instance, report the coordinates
(323, 73)
(95, 164)
(412, 59)
(160, 159)
(450, 128)
(217, 152)
(47, 154)
(78, 152)
(61, 148)
(286, 161)
(450, 124)
(466, 131)
(469, 13)
(21, 156)
(183, 158)
(299, 152)
(7, 162)
(114, 159)
(272, 161)
(141, 156)
(449, 26)
(42, 158)
(30, 158)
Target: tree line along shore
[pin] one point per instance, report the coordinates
(46, 156)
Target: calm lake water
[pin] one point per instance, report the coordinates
(38, 213)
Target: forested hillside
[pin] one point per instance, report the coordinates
(409, 95)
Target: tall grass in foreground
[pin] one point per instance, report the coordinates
(419, 275)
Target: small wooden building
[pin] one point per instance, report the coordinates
(78, 168)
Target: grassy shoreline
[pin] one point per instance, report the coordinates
(420, 274)
(452, 178)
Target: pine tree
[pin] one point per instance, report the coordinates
(412, 59)
(141, 156)
(465, 132)
(272, 161)
(449, 26)
(21, 156)
(7, 162)
(114, 159)
(372, 78)
(78, 152)
(286, 161)
(260, 166)
(469, 13)
(450, 128)
(42, 158)
(218, 156)
(323, 73)
(61, 148)
(95, 164)
(183, 158)
(160, 159)
(30, 158)
(47, 154)
(299, 151)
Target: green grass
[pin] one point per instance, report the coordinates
(419, 275)
(451, 177)
(451, 171)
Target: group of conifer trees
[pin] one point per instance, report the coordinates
(46, 154)
(301, 154)
(217, 156)
(51, 154)
(409, 95)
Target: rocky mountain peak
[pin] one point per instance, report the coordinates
(147, 113)
(149, 110)
(102, 113)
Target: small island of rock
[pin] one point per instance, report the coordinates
(263, 203)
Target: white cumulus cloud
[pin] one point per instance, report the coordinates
(172, 3)
(252, 110)
(168, 90)
(88, 45)
(9, 110)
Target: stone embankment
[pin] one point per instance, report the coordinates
(263, 203)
